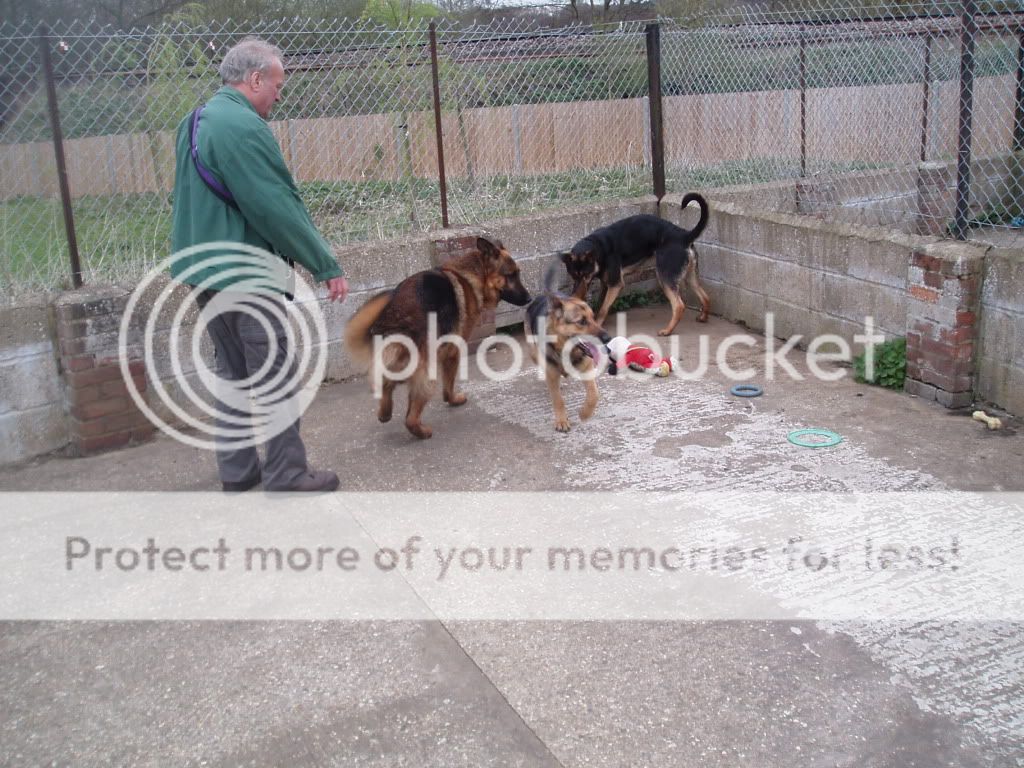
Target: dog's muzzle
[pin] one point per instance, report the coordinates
(520, 298)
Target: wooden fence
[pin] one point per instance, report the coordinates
(872, 124)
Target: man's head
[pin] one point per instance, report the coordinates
(254, 67)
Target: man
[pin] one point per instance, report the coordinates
(238, 189)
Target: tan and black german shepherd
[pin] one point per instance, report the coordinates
(609, 253)
(564, 321)
(456, 293)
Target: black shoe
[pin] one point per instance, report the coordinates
(242, 486)
(312, 481)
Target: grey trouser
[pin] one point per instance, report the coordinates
(241, 345)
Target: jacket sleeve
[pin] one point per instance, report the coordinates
(269, 200)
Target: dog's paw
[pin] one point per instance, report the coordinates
(422, 431)
(562, 425)
(665, 332)
(586, 413)
(384, 414)
(456, 399)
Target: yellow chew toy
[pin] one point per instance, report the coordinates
(992, 421)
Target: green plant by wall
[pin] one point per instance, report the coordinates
(890, 364)
(638, 299)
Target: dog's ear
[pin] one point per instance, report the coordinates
(556, 305)
(490, 247)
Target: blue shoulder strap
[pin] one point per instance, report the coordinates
(204, 173)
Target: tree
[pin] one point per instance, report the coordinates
(400, 13)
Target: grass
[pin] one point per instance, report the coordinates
(755, 171)
(115, 234)
(120, 236)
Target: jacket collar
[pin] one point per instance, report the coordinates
(233, 94)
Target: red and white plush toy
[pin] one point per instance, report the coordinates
(638, 358)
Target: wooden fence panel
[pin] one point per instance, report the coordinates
(355, 149)
(491, 132)
(536, 137)
(162, 150)
(421, 145)
(707, 129)
(598, 134)
(868, 123)
(29, 170)
(89, 164)
(992, 127)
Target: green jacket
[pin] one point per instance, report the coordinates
(238, 147)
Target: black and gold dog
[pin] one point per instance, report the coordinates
(456, 293)
(611, 252)
(555, 325)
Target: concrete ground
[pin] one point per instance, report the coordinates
(606, 693)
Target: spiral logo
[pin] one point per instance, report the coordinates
(274, 348)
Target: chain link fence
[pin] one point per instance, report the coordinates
(822, 112)
(343, 126)
(858, 119)
(533, 120)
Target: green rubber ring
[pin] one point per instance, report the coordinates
(746, 390)
(831, 438)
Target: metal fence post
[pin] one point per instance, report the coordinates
(58, 152)
(926, 97)
(1018, 111)
(437, 123)
(657, 127)
(968, 31)
(803, 102)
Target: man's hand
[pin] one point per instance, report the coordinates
(337, 289)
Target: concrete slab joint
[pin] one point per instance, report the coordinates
(101, 412)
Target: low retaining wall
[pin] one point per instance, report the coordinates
(1000, 364)
(811, 278)
(889, 198)
(32, 410)
(958, 305)
(814, 277)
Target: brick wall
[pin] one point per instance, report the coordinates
(943, 292)
(101, 412)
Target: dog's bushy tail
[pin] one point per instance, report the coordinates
(358, 338)
(550, 280)
(691, 197)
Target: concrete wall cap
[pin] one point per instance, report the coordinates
(89, 293)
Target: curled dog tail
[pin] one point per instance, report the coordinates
(358, 338)
(691, 197)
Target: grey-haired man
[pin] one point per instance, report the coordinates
(236, 188)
